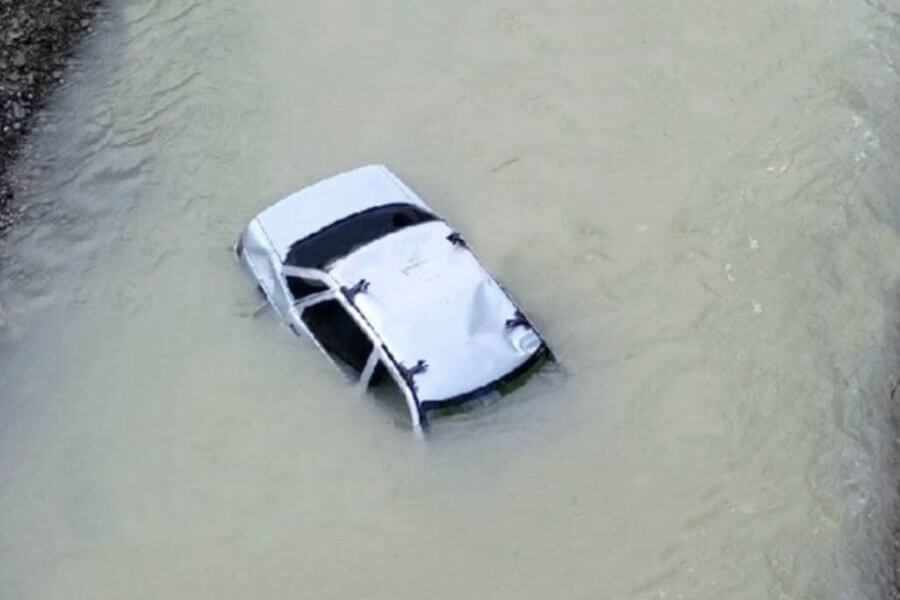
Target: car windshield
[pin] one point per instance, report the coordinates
(342, 237)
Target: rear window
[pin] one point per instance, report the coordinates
(344, 236)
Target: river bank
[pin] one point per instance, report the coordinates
(37, 41)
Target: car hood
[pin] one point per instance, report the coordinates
(315, 207)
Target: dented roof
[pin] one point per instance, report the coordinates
(429, 299)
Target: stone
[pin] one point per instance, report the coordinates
(37, 38)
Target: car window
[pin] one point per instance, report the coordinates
(389, 395)
(380, 375)
(301, 288)
(338, 333)
(342, 237)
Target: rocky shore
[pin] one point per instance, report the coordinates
(37, 39)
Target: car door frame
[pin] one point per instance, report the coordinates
(379, 352)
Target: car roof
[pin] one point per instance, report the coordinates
(430, 299)
(315, 207)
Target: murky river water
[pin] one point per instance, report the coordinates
(696, 201)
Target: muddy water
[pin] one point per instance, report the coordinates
(697, 202)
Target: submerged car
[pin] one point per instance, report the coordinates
(360, 265)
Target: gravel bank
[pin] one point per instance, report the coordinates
(37, 38)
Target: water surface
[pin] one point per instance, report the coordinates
(696, 202)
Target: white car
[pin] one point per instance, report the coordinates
(360, 265)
